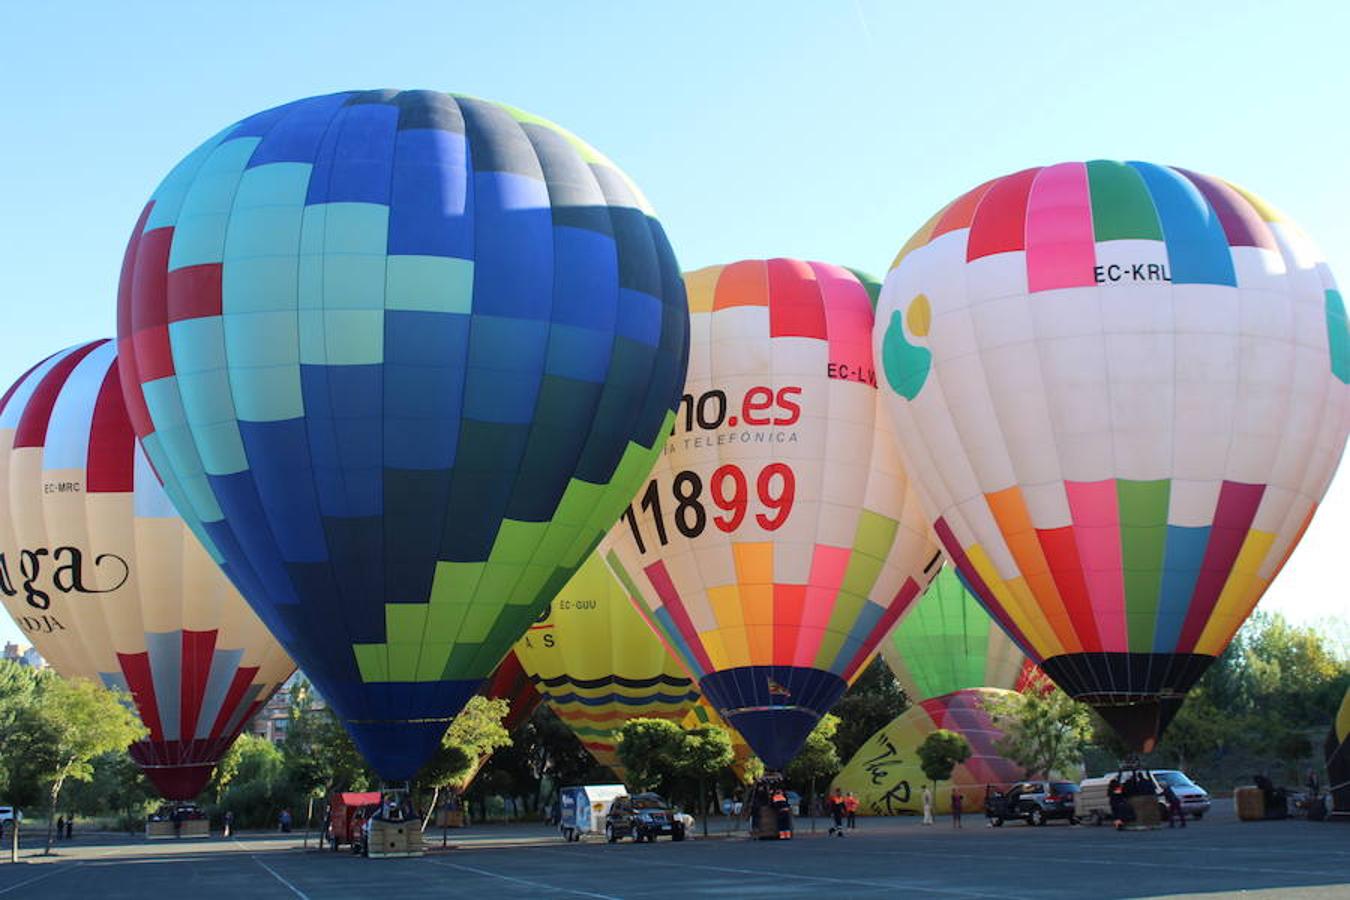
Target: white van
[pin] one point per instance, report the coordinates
(1094, 803)
(9, 814)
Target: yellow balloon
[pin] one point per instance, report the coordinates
(598, 664)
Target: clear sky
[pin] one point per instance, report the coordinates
(827, 130)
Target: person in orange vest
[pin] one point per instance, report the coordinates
(837, 812)
(783, 809)
(851, 808)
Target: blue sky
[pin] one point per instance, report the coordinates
(825, 130)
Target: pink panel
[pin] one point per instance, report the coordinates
(1096, 531)
(827, 574)
(1060, 248)
(848, 323)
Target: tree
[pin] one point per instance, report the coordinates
(69, 723)
(650, 750)
(818, 759)
(1044, 731)
(940, 753)
(870, 704)
(473, 736)
(706, 751)
(319, 754)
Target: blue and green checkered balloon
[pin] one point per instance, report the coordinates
(401, 358)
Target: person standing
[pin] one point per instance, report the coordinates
(60, 826)
(1175, 811)
(837, 812)
(851, 808)
(229, 822)
(70, 827)
(927, 806)
(958, 802)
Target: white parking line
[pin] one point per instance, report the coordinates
(58, 870)
(548, 888)
(273, 872)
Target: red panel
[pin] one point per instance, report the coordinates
(960, 213)
(199, 648)
(4, 401)
(1061, 553)
(243, 677)
(136, 670)
(112, 444)
(32, 428)
(154, 356)
(180, 782)
(999, 225)
(1232, 518)
(149, 306)
(796, 308)
(789, 601)
(670, 599)
(194, 292)
(128, 273)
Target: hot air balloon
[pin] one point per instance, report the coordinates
(404, 356)
(597, 663)
(779, 539)
(1338, 759)
(510, 683)
(1122, 389)
(948, 643)
(887, 776)
(108, 582)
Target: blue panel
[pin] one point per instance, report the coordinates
(507, 343)
(639, 317)
(343, 428)
(431, 203)
(398, 749)
(773, 707)
(355, 161)
(586, 279)
(1197, 248)
(1183, 555)
(296, 136)
(513, 246)
(279, 472)
(579, 353)
(259, 124)
(424, 388)
(672, 634)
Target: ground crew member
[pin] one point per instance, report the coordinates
(783, 810)
(851, 808)
(837, 812)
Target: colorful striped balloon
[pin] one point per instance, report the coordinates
(779, 538)
(405, 356)
(109, 583)
(948, 643)
(597, 664)
(887, 776)
(1122, 388)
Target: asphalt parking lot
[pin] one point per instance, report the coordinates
(888, 857)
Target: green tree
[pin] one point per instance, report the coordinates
(117, 786)
(870, 704)
(650, 750)
(818, 760)
(1044, 731)
(319, 755)
(474, 735)
(940, 753)
(68, 724)
(706, 752)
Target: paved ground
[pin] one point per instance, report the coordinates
(884, 858)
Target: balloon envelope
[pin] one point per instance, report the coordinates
(510, 683)
(597, 663)
(703, 714)
(405, 356)
(887, 777)
(947, 642)
(1123, 389)
(778, 539)
(108, 582)
(1338, 758)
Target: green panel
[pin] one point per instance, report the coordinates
(1338, 337)
(875, 534)
(833, 640)
(403, 661)
(1121, 205)
(431, 664)
(1143, 537)
(943, 642)
(517, 542)
(405, 623)
(455, 582)
(861, 574)
(373, 661)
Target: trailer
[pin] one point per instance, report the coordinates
(347, 812)
(584, 808)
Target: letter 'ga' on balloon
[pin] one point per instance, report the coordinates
(109, 583)
(779, 538)
(1123, 390)
(947, 642)
(598, 664)
(405, 356)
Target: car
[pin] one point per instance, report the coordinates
(1035, 802)
(643, 817)
(1194, 799)
(9, 814)
(1095, 804)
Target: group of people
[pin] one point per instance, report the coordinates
(65, 827)
(958, 806)
(1139, 784)
(843, 808)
